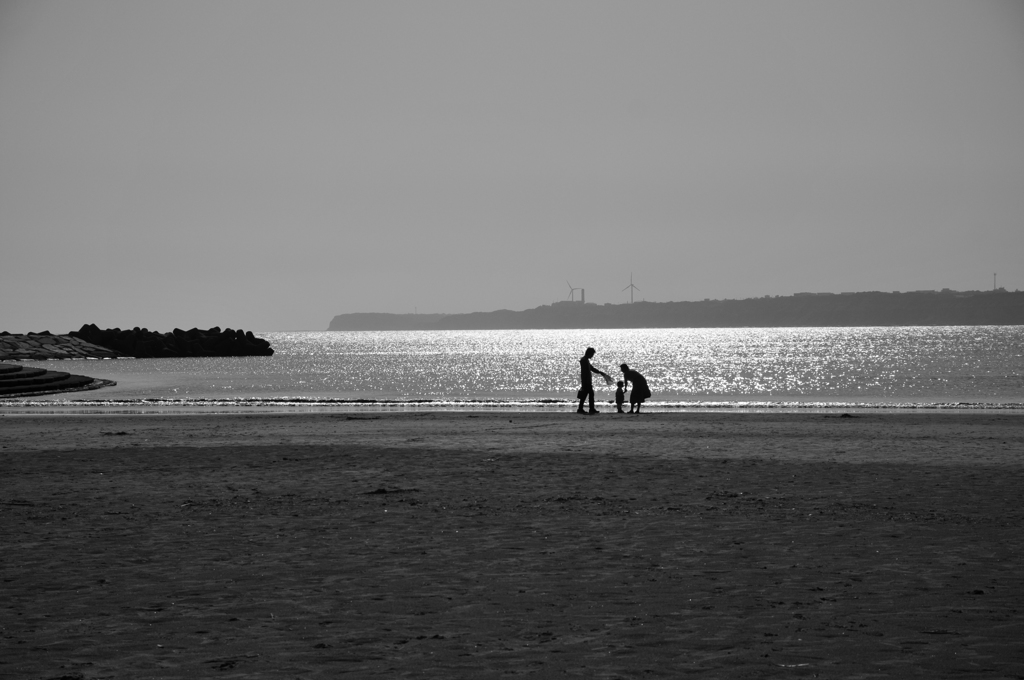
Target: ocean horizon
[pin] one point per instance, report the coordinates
(742, 369)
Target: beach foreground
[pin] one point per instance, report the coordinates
(476, 545)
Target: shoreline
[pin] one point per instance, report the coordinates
(483, 544)
(28, 404)
(887, 437)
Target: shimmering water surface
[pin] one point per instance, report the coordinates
(910, 367)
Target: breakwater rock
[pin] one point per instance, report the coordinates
(45, 345)
(143, 343)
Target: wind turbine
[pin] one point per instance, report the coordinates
(630, 288)
(572, 291)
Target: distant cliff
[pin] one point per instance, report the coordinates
(371, 321)
(923, 308)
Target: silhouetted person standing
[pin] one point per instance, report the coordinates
(640, 390)
(587, 379)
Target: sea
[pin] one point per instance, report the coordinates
(959, 368)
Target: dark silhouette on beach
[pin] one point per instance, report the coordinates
(640, 391)
(587, 380)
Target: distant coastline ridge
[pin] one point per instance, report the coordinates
(918, 308)
(375, 321)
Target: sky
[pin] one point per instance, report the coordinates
(268, 165)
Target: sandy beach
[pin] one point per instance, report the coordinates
(487, 544)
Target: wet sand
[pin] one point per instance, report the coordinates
(478, 545)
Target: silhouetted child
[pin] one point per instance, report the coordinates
(620, 396)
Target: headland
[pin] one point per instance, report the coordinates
(918, 308)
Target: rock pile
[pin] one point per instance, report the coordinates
(45, 345)
(143, 343)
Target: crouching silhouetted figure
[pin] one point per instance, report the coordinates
(640, 391)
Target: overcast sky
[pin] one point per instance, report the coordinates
(269, 165)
